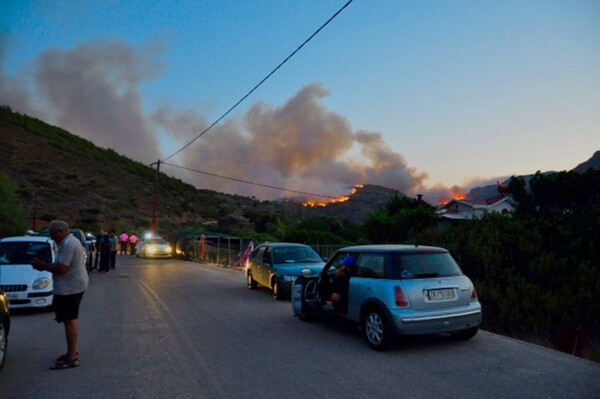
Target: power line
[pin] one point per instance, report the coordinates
(262, 81)
(250, 182)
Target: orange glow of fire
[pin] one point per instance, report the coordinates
(338, 200)
(452, 195)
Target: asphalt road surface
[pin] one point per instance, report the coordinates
(177, 329)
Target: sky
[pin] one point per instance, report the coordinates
(427, 97)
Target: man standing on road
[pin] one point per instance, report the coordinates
(124, 239)
(70, 282)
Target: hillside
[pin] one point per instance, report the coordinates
(60, 175)
(593, 163)
(491, 190)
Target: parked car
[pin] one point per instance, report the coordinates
(87, 246)
(276, 265)
(90, 241)
(393, 290)
(24, 286)
(153, 247)
(4, 327)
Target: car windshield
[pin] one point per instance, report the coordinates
(424, 265)
(291, 255)
(23, 252)
(155, 241)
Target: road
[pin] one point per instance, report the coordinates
(176, 329)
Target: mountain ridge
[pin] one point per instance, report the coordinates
(61, 175)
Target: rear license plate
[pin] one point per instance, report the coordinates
(440, 295)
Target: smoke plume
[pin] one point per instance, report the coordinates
(93, 91)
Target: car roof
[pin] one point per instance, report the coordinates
(394, 248)
(284, 244)
(26, 239)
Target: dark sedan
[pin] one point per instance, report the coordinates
(276, 265)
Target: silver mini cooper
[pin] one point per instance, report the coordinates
(390, 290)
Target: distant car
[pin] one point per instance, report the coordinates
(4, 327)
(276, 265)
(90, 241)
(79, 234)
(153, 247)
(392, 290)
(24, 286)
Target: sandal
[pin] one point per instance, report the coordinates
(65, 364)
(62, 358)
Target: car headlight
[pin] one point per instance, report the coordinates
(289, 279)
(151, 249)
(41, 283)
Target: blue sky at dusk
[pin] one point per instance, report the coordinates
(418, 96)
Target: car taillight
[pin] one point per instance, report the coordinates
(401, 300)
(473, 294)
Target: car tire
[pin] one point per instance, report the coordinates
(277, 294)
(251, 282)
(377, 330)
(465, 334)
(3, 343)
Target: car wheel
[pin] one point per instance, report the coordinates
(251, 282)
(277, 295)
(377, 330)
(3, 344)
(465, 334)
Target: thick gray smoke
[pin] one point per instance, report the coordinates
(298, 146)
(93, 91)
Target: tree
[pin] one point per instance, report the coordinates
(401, 221)
(12, 215)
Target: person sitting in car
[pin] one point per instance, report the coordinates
(340, 283)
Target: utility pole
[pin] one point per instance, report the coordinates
(34, 217)
(153, 227)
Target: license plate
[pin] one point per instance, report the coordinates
(440, 295)
(12, 296)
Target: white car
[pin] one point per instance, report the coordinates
(153, 247)
(26, 287)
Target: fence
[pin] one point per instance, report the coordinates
(226, 251)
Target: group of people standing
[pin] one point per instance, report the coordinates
(128, 241)
(107, 246)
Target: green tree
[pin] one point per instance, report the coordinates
(402, 220)
(12, 215)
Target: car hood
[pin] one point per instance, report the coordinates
(299, 269)
(20, 274)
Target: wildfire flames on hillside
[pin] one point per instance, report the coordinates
(338, 200)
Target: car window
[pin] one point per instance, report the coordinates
(334, 263)
(266, 255)
(22, 253)
(370, 266)
(295, 255)
(423, 265)
(257, 254)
